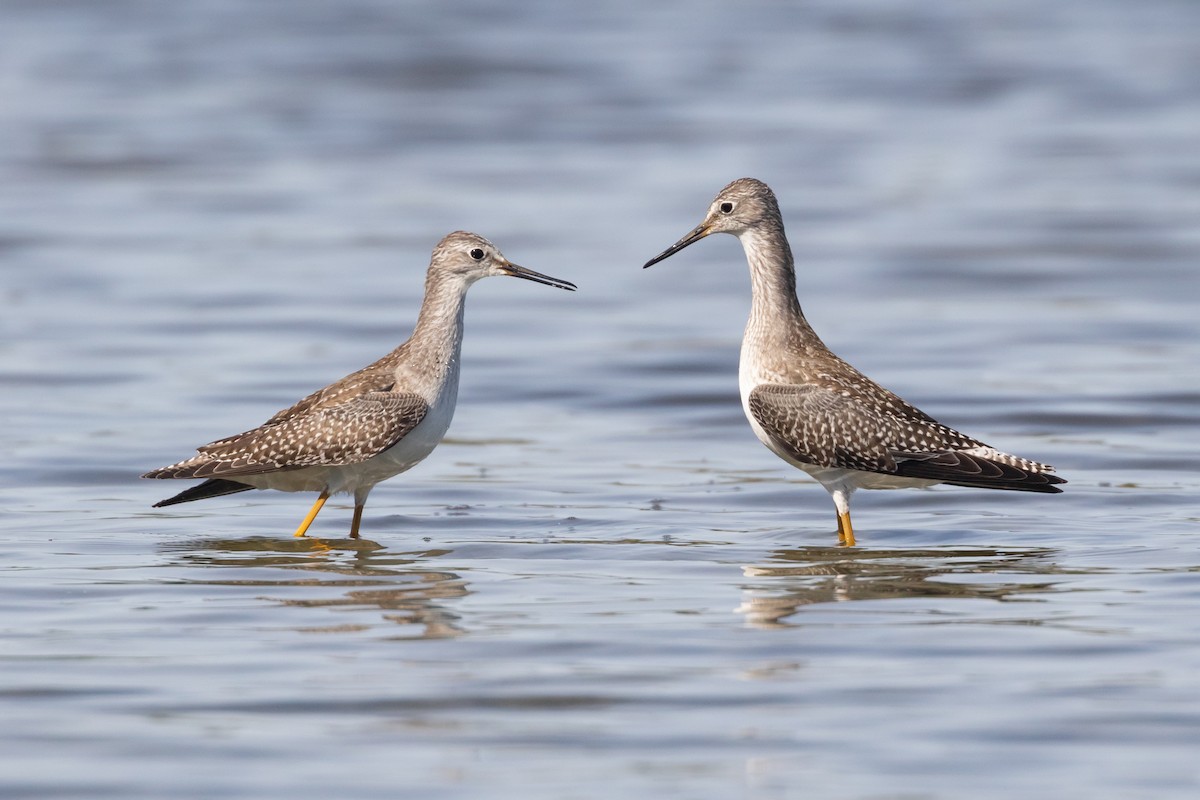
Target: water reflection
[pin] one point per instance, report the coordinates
(811, 575)
(374, 579)
(410, 604)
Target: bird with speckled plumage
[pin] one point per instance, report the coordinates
(372, 424)
(817, 412)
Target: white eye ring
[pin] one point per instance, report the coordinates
(726, 207)
(477, 253)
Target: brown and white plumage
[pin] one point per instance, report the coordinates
(372, 424)
(816, 411)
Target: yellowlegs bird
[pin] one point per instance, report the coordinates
(372, 424)
(817, 412)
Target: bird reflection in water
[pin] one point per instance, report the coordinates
(372, 579)
(812, 575)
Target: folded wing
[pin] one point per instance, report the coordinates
(349, 432)
(829, 427)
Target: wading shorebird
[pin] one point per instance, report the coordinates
(372, 424)
(817, 412)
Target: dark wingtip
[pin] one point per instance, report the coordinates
(214, 487)
(958, 468)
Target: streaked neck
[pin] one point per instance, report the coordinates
(774, 310)
(432, 352)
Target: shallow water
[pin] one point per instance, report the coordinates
(601, 585)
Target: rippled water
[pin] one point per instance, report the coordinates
(601, 585)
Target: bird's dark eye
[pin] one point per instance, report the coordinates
(726, 207)
(477, 254)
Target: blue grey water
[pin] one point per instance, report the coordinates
(601, 585)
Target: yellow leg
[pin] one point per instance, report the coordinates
(312, 513)
(845, 530)
(358, 509)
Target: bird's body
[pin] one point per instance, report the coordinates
(817, 412)
(374, 423)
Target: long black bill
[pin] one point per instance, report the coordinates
(537, 277)
(696, 235)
